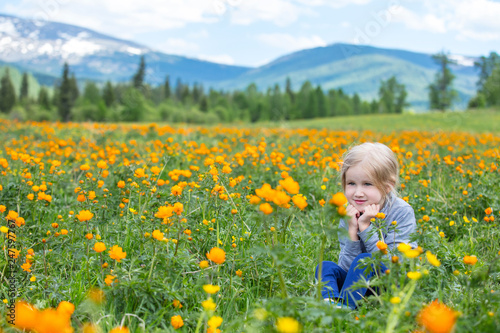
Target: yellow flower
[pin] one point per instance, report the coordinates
(433, 260)
(209, 304)
(176, 322)
(287, 325)
(33, 278)
(4, 229)
(402, 247)
(395, 300)
(412, 253)
(211, 289)
(217, 255)
(215, 321)
(204, 264)
(414, 275)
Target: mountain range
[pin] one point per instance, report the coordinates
(42, 47)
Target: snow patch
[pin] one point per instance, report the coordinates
(79, 47)
(462, 60)
(133, 50)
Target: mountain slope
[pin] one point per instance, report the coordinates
(358, 69)
(43, 47)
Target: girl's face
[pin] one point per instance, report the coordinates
(360, 189)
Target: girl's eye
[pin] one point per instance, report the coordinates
(368, 184)
(350, 183)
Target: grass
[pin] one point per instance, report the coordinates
(472, 121)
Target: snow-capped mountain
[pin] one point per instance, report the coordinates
(42, 47)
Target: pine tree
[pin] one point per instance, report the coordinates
(7, 93)
(108, 94)
(66, 94)
(138, 79)
(23, 93)
(43, 99)
(441, 92)
(167, 91)
(392, 96)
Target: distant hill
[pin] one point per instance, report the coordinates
(359, 69)
(42, 47)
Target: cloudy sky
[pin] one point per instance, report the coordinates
(254, 32)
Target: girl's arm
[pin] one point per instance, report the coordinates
(349, 249)
(406, 225)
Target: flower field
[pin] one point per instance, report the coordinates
(148, 228)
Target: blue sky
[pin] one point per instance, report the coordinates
(254, 32)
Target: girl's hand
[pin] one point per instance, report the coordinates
(369, 213)
(354, 215)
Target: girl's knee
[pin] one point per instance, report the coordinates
(327, 266)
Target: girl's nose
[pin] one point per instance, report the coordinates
(358, 192)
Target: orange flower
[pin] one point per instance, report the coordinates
(176, 190)
(12, 215)
(176, 322)
(299, 201)
(109, 279)
(164, 212)
(99, 247)
(488, 211)
(266, 208)
(120, 329)
(203, 264)
(470, 260)
(26, 316)
(437, 318)
(382, 246)
(290, 185)
(217, 255)
(117, 253)
(84, 215)
(157, 234)
(102, 165)
(178, 208)
(338, 199)
(139, 173)
(121, 184)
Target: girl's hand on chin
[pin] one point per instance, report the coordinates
(369, 213)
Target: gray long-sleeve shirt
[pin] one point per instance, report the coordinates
(399, 211)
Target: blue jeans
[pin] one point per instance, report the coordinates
(338, 283)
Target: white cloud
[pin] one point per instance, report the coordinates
(334, 3)
(224, 59)
(414, 21)
(290, 43)
(280, 12)
(476, 20)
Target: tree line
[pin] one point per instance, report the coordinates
(180, 102)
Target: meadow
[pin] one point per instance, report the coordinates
(155, 228)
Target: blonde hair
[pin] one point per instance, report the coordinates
(378, 161)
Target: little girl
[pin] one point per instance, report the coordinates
(369, 174)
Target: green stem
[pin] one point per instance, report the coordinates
(394, 316)
(152, 263)
(320, 267)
